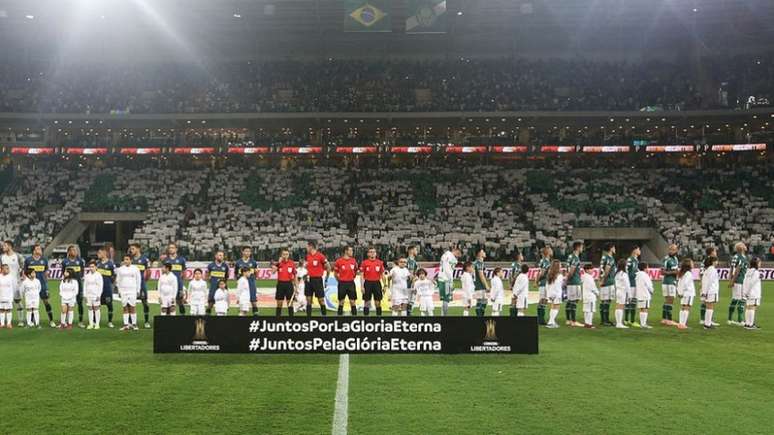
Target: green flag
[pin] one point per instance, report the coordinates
(366, 16)
(426, 16)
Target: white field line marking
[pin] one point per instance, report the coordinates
(341, 409)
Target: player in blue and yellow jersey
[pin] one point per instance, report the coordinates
(217, 271)
(177, 266)
(143, 265)
(39, 264)
(247, 262)
(75, 263)
(107, 269)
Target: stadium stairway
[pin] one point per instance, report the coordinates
(69, 234)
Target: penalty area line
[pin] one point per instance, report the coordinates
(341, 409)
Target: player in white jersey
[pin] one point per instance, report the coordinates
(468, 287)
(168, 286)
(92, 291)
(68, 291)
(243, 292)
(197, 293)
(7, 288)
(520, 290)
(686, 290)
(425, 289)
(299, 303)
(445, 278)
(128, 281)
(31, 291)
(15, 264)
(751, 291)
(621, 292)
(497, 291)
(554, 285)
(710, 289)
(221, 299)
(644, 292)
(589, 293)
(399, 278)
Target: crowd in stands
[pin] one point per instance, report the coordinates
(384, 86)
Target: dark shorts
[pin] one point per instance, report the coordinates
(372, 289)
(44, 293)
(144, 294)
(80, 289)
(253, 293)
(347, 290)
(315, 288)
(284, 291)
(106, 299)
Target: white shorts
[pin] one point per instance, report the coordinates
(426, 303)
(669, 290)
(542, 292)
(643, 304)
(399, 296)
(711, 298)
(479, 294)
(92, 300)
(573, 293)
(245, 306)
(197, 310)
(621, 297)
(607, 293)
(70, 302)
(557, 300)
(221, 307)
(497, 306)
(687, 300)
(753, 302)
(521, 302)
(589, 307)
(736, 292)
(197, 300)
(32, 302)
(6, 305)
(166, 301)
(128, 299)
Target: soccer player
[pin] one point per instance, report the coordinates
(107, 269)
(31, 292)
(607, 272)
(221, 299)
(644, 289)
(92, 291)
(554, 284)
(621, 294)
(445, 278)
(372, 269)
(345, 270)
(686, 291)
(520, 290)
(243, 293)
(669, 284)
(143, 265)
(299, 302)
(167, 286)
(286, 287)
(177, 265)
(590, 294)
(399, 280)
(197, 293)
(544, 264)
(15, 263)
(739, 265)
(632, 267)
(217, 271)
(573, 285)
(68, 292)
(710, 289)
(424, 289)
(516, 267)
(39, 264)
(247, 262)
(75, 263)
(497, 294)
(7, 288)
(128, 282)
(752, 293)
(317, 267)
(468, 286)
(482, 286)
(412, 266)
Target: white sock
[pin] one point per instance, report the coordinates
(520, 313)
(552, 315)
(2, 319)
(126, 319)
(29, 318)
(163, 313)
(466, 312)
(752, 317)
(708, 317)
(619, 316)
(99, 316)
(683, 317)
(70, 316)
(588, 317)
(495, 313)
(402, 312)
(643, 318)
(133, 319)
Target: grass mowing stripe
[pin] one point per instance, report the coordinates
(341, 409)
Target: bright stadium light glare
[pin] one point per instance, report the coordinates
(237, 15)
(29, 17)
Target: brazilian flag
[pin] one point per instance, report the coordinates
(366, 16)
(426, 16)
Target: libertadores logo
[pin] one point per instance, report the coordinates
(490, 342)
(199, 341)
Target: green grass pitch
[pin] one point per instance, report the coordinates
(601, 381)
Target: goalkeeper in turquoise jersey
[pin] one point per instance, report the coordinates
(739, 265)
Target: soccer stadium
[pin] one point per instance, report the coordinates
(386, 216)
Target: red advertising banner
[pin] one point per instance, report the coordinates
(357, 150)
(557, 148)
(140, 151)
(412, 150)
(194, 151)
(86, 151)
(670, 148)
(32, 151)
(465, 150)
(510, 149)
(739, 147)
(249, 150)
(301, 150)
(606, 149)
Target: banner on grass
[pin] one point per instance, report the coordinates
(366, 16)
(426, 16)
(450, 335)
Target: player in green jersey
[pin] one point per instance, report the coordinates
(573, 285)
(607, 271)
(739, 265)
(632, 267)
(544, 264)
(482, 286)
(669, 268)
(518, 258)
(412, 266)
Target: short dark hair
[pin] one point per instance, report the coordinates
(421, 272)
(312, 244)
(169, 266)
(608, 246)
(710, 250)
(135, 245)
(8, 242)
(755, 263)
(524, 268)
(92, 263)
(576, 245)
(195, 270)
(244, 270)
(221, 281)
(710, 260)
(621, 264)
(588, 266)
(467, 265)
(642, 266)
(497, 270)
